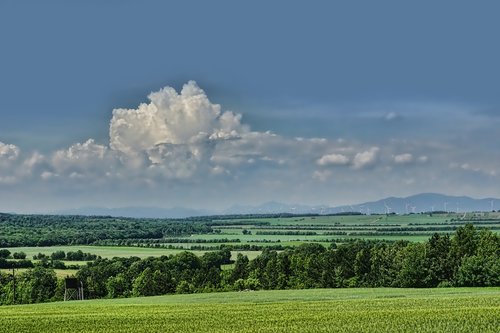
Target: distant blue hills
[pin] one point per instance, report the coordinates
(426, 202)
(419, 203)
(138, 212)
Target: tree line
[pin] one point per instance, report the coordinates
(54, 260)
(469, 257)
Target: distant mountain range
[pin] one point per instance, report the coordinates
(424, 202)
(145, 212)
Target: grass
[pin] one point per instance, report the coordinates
(326, 310)
(358, 219)
(115, 251)
(103, 251)
(350, 224)
(320, 236)
(403, 220)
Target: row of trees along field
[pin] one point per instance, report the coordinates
(468, 258)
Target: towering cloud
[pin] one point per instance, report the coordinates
(177, 132)
(172, 119)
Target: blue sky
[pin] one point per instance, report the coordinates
(328, 102)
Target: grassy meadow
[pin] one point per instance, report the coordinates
(114, 251)
(326, 310)
(103, 251)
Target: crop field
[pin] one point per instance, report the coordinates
(327, 310)
(250, 235)
(114, 251)
(103, 251)
(294, 230)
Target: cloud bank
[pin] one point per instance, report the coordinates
(182, 144)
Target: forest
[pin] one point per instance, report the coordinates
(49, 230)
(469, 257)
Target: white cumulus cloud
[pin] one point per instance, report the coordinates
(9, 155)
(172, 118)
(333, 159)
(366, 158)
(8, 151)
(176, 132)
(403, 158)
(81, 159)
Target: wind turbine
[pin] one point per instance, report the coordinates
(406, 206)
(492, 206)
(387, 209)
(413, 208)
(445, 205)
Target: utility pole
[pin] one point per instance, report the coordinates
(13, 285)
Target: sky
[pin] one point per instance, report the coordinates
(209, 104)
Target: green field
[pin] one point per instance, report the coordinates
(255, 233)
(114, 251)
(103, 251)
(267, 231)
(326, 310)
(260, 232)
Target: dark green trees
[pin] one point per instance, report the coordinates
(19, 255)
(480, 264)
(32, 286)
(467, 258)
(440, 266)
(4, 253)
(414, 268)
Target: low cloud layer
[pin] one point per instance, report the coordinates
(181, 145)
